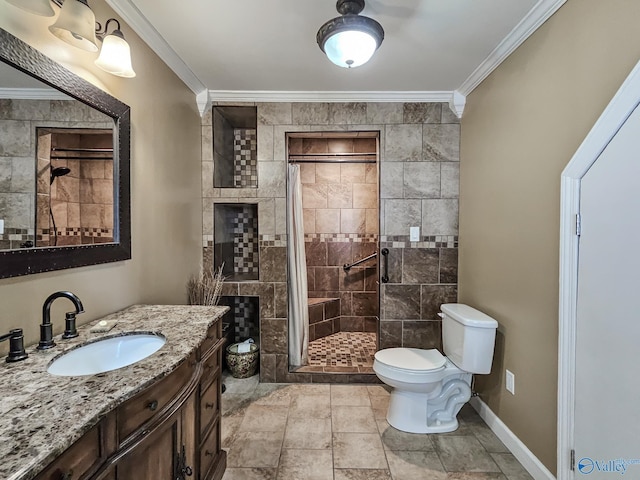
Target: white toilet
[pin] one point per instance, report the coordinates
(429, 389)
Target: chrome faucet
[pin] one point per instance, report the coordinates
(46, 329)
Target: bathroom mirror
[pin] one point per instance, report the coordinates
(64, 167)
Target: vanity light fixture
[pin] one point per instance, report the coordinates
(115, 55)
(77, 26)
(351, 39)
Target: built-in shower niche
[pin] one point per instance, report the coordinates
(243, 318)
(235, 147)
(235, 239)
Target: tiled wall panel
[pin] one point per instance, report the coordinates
(19, 120)
(419, 153)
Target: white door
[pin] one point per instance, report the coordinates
(607, 395)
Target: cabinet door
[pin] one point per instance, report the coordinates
(78, 459)
(155, 456)
(165, 454)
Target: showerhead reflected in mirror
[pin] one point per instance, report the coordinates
(58, 172)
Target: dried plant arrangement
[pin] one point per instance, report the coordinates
(205, 287)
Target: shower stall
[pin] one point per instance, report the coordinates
(332, 230)
(75, 189)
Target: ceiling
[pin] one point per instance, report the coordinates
(259, 45)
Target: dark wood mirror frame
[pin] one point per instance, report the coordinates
(25, 58)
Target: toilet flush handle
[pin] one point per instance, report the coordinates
(441, 315)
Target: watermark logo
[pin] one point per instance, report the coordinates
(587, 465)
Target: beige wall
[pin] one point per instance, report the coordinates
(520, 128)
(165, 183)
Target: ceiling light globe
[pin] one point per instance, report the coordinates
(351, 39)
(350, 48)
(115, 56)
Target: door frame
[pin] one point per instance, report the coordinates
(606, 127)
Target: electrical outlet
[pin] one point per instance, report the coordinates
(511, 382)
(1, 227)
(414, 234)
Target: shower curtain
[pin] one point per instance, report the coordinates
(297, 273)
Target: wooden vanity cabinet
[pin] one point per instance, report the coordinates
(212, 459)
(169, 431)
(85, 456)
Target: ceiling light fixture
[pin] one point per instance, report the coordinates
(351, 39)
(77, 26)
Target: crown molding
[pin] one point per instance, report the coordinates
(32, 94)
(457, 103)
(203, 99)
(327, 96)
(143, 28)
(539, 14)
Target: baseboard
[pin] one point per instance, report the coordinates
(528, 460)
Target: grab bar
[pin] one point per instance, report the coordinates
(385, 275)
(347, 266)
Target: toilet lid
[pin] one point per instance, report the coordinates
(411, 358)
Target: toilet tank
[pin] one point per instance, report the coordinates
(468, 337)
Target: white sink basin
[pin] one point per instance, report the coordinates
(106, 354)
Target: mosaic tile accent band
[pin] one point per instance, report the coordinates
(278, 240)
(81, 234)
(14, 237)
(245, 156)
(340, 237)
(428, 241)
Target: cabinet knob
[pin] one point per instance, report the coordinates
(152, 405)
(208, 405)
(208, 453)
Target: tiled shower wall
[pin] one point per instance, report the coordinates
(340, 206)
(419, 153)
(18, 122)
(82, 200)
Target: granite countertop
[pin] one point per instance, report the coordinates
(41, 415)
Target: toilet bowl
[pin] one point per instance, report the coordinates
(428, 388)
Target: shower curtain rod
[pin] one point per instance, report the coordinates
(329, 160)
(59, 157)
(87, 150)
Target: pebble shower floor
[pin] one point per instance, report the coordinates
(343, 349)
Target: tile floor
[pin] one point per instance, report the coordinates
(339, 432)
